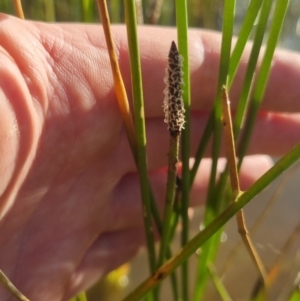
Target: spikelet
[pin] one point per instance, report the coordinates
(173, 103)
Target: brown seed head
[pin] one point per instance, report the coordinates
(173, 103)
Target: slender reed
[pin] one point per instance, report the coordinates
(279, 262)
(139, 12)
(49, 10)
(118, 81)
(139, 118)
(122, 95)
(182, 36)
(11, 288)
(19, 9)
(127, 117)
(250, 72)
(155, 11)
(174, 117)
(263, 75)
(213, 206)
(282, 165)
(224, 295)
(235, 185)
(115, 11)
(235, 58)
(87, 7)
(126, 114)
(262, 216)
(247, 27)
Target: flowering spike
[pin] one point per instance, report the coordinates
(173, 103)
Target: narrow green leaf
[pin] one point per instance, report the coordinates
(208, 251)
(115, 11)
(139, 117)
(182, 35)
(191, 247)
(263, 75)
(243, 37)
(88, 9)
(218, 284)
(49, 10)
(295, 295)
(250, 72)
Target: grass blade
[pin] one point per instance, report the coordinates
(279, 262)
(174, 117)
(182, 36)
(235, 185)
(87, 7)
(137, 87)
(118, 81)
(250, 72)
(243, 37)
(201, 148)
(218, 284)
(263, 75)
(212, 207)
(19, 9)
(282, 165)
(11, 288)
(115, 11)
(49, 10)
(262, 216)
(156, 11)
(137, 146)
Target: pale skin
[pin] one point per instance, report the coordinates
(70, 201)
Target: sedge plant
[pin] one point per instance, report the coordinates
(224, 200)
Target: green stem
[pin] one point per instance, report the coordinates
(87, 11)
(282, 165)
(115, 11)
(263, 75)
(139, 117)
(218, 284)
(11, 288)
(248, 23)
(201, 148)
(159, 225)
(182, 34)
(170, 196)
(213, 202)
(250, 72)
(49, 10)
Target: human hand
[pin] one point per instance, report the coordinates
(70, 202)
